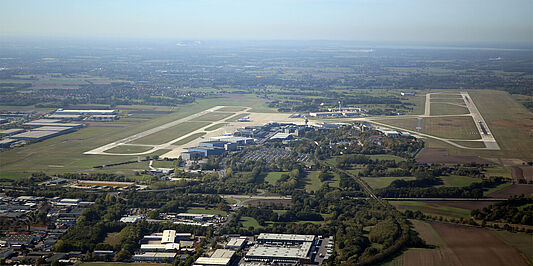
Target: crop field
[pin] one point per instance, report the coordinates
(522, 241)
(171, 133)
(444, 108)
(214, 116)
(464, 245)
(128, 149)
(431, 208)
(384, 181)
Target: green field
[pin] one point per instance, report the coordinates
(313, 183)
(443, 108)
(128, 149)
(471, 144)
(188, 139)
(501, 112)
(272, 177)
(458, 181)
(231, 109)
(215, 126)
(202, 210)
(457, 127)
(246, 222)
(171, 133)
(381, 182)
(433, 209)
(386, 157)
(212, 117)
(236, 117)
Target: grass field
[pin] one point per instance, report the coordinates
(386, 157)
(128, 149)
(171, 133)
(458, 127)
(202, 210)
(231, 109)
(471, 144)
(272, 177)
(313, 183)
(188, 139)
(214, 116)
(246, 222)
(497, 188)
(444, 108)
(236, 117)
(215, 126)
(458, 181)
(381, 182)
(501, 112)
(431, 209)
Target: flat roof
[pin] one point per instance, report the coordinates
(84, 111)
(298, 252)
(168, 236)
(106, 182)
(63, 116)
(195, 214)
(34, 134)
(212, 261)
(236, 242)
(42, 124)
(7, 141)
(285, 237)
(11, 131)
(156, 255)
(50, 128)
(44, 120)
(223, 253)
(280, 135)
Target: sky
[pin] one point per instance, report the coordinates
(502, 21)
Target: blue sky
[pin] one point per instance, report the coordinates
(363, 20)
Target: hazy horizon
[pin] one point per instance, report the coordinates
(306, 20)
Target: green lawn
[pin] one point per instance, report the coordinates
(231, 109)
(441, 108)
(453, 127)
(458, 181)
(313, 183)
(386, 157)
(381, 182)
(171, 133)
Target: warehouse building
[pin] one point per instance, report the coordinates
(236, 243)
(192, 155)
(67, 117)
(11, 131)
(6, 143)
(221, 257)
(240, 141)
(282, 249)
(36, 135)
(155, 257)
(284, 238)
(85, 112)
(105, 118)
(207, 151)
(104, 183)
(48, 124)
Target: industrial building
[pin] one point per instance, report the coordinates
(240, 141)
(36, 135)
(192, 155)
(103, 117)
(85, 112)
(6, 143)
(53, 124)
(155, 257)
(221, 257)
(407, 93)
(14, 115)
(11, 131)
(207, 151)
(67, 117)
(236, 243)
(282, 249)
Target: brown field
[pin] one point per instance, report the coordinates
(468, 205)
(461, 245)
(434, 155)
(522, 173)
(515, 189)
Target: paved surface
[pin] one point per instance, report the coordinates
(479, 121)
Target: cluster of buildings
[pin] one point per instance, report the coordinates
(165, 246)
(24, 237)
(393, 133)
(339, 112)
(94, 115)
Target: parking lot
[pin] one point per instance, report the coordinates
(324, 250)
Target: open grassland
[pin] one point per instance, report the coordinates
(231, 109)
(313, 183)
(458, 127)
(272, 177)
(471, 144)
(189, 138)
(386, 157)
(501, 113)
(430, 208)
(458, 181)
(444, 108)
(128, 149)
(247, 222)
(214, 116)
(384, 181)
(215, 126)
(171, 133)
